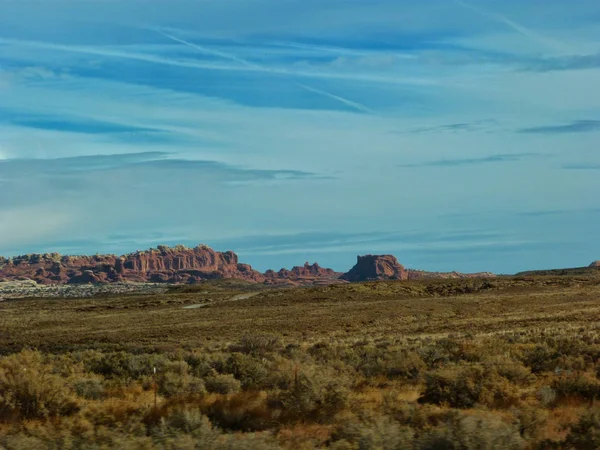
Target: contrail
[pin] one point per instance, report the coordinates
(343, 100)
(231, 57)
(211, 51)
(534, 35)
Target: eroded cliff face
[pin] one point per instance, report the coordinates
(376, 267)
(595, 264)
(308, 274)
(387, 267)
(164, 264)
(192, 265)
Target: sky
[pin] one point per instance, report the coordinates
(456, 135)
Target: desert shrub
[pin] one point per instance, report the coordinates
(513, 370)
(244, 411)
(126, 367)
(579, 385)
(407, 365)
(378, 433)
(171, 384)
(531, 420)
(90, 388)
(314, 393)
(256, 345)
(585, 434)
(541, 359)
(29, 389)
(185, 429)
(247, 369)
(188, 421)
(222, 383)
(546, 396)
(467, 432)
(201, 365)
(416, 416)
(374, 361)
(467, 387)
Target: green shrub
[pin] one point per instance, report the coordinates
(247, 369)
(29, 389)
(378, 433)
(222, 384)
(542, 359)
(580, 385)
(172, 384)
(467, 387)
(546, 396)
(89, 388)
(314, 393)
(468, 432)
(257, 345)
(585, 434)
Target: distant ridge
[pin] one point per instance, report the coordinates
(183, 265)
(592, 269)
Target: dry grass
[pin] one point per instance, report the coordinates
(503, 363)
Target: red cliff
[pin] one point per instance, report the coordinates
(376, 267)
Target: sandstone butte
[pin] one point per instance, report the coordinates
(180, 264)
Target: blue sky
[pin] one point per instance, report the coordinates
(457, 135)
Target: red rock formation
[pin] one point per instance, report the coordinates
(376, 267)
(164, 264)
(308, 274)
(595, 264)
(191, 265)
(387, 267)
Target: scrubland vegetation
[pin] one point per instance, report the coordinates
(508, 363)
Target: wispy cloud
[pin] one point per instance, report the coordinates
(124, 52)
(477, 125)
(19, 168)
(355, 105)
(76, 125)
(572, 62)
(559, 212)
(578, 126)
(519, 28)
(581, 166)
(499, 158)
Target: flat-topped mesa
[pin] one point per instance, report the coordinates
(164, 259)
(376, 267)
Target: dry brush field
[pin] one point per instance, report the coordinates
(510, 363)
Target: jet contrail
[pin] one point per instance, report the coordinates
(343, 100)
(534, 35)
(231, 57)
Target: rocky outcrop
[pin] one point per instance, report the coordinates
(160, 265)
(192, 265)
(387, 267)
(308, 274)
(421, 274)
(595, 264)
(163, 264)
(376, 267)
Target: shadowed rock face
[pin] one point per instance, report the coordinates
(164, 264)
(161, 265)
(376, 267)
